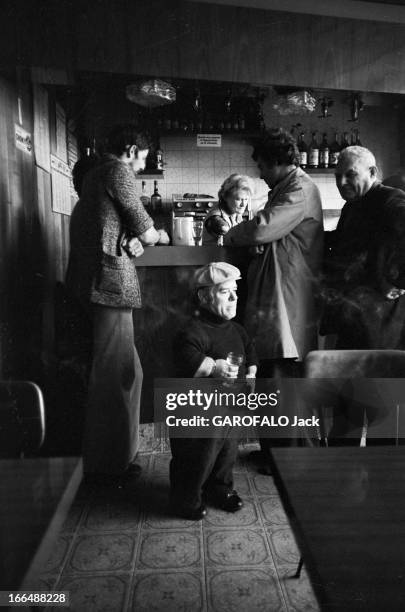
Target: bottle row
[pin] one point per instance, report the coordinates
(153, 203)
(324, 154)
(211, 123)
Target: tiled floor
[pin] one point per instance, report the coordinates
(122, 551)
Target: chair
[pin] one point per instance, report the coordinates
(374, 400)
(22, 418)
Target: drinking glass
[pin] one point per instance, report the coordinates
(198, 226)
(235, 359)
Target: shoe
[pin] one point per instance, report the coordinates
(191, 514)
(231, 503)
(134, 469)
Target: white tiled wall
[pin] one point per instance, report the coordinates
(193, 170)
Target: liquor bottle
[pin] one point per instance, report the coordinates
(260, 121)
(345, 141)
(352, 139)
(159, 159)
(358, 141)
(313, 154)
(334, 152)
(302, 151)
(242, 122)
(156, 199)
(145, 199)
(324, 152)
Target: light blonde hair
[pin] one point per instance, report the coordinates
(233, 182)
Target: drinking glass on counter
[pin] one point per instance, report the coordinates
(198, 226)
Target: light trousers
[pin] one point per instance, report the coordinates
(111, 435)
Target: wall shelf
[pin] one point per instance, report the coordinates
(319, 170)
(150, 174)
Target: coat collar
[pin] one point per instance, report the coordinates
(280, 186)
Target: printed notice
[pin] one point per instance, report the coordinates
(23, 140)
(41, 128)
(72, 151)
(209, 140)
(61, 150)
(61, 200)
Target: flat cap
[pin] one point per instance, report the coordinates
(215, 273)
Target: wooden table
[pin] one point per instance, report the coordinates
(347, 509)
(35, 497)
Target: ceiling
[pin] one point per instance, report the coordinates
(390, 11)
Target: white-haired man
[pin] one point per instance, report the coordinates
(365, 263)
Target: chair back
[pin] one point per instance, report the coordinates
(375, 408)
(22, 418)
(371, 363)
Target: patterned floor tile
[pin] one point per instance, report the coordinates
(118, 515)
(241, 484)
(161, 462)
(244, 590)
(144, 461)
(167, 592)
(273, 511)
(169, 550)
(284, 546)
(107, 528)
(58, 555)
(96, 593)
(45, 582)
(73, 518)
(242, 547)
(264, 485)
(165, 446)
(299, 593)
(102, 553)
(245, 517)
(167, 521)
(148, 442)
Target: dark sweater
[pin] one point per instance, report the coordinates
(207, 335)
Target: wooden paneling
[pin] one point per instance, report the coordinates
(34, 245)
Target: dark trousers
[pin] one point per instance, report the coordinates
(201, 466)
(278, 368)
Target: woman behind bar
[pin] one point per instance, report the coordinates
(108, 227)
(234, 198)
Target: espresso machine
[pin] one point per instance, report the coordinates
(186, 208)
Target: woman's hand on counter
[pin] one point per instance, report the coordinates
(163, 237)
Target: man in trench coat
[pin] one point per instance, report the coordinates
(282, 311)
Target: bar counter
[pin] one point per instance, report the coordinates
(188, 255)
